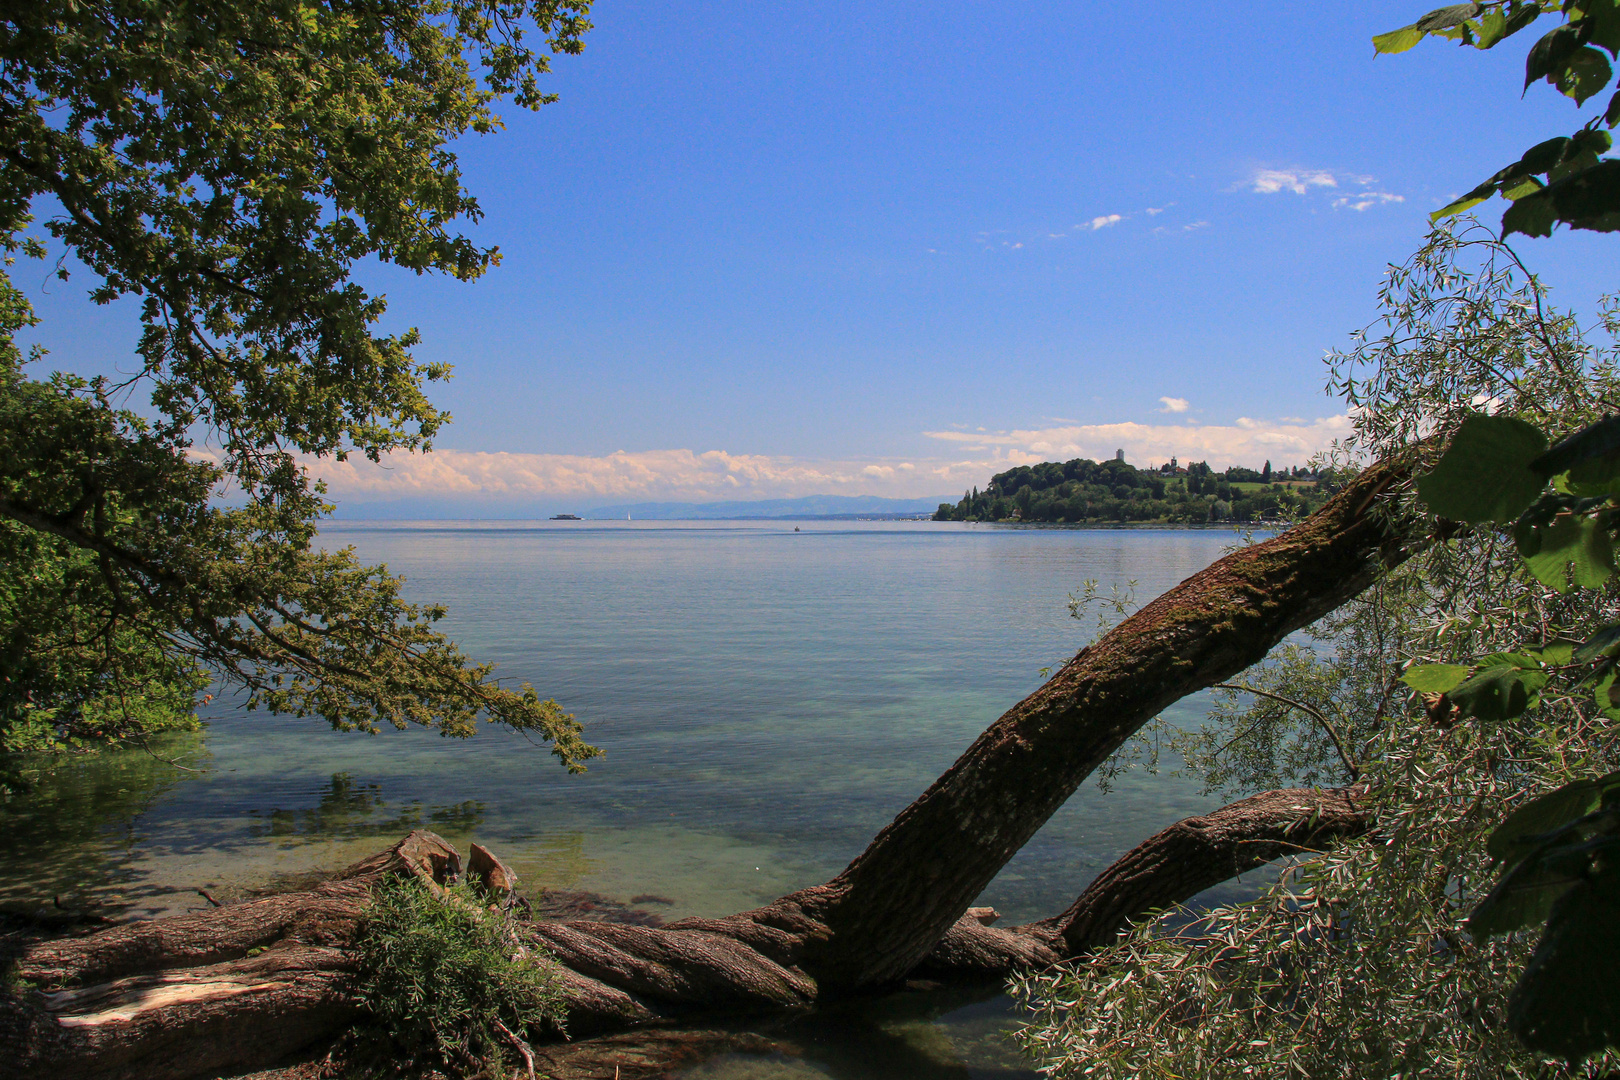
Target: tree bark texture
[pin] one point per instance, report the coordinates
(236, 987)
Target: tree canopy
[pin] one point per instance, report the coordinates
(229, 164)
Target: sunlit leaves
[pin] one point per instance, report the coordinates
(229, 164)
(1570, 58)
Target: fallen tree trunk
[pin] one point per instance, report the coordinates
(115, 1003)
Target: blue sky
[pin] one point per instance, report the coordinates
(760, 250)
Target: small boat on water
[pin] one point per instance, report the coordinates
(566, 517)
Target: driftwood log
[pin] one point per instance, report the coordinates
(239, 987)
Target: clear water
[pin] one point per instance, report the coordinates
(769, 695)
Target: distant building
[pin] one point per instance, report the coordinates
(1119, 455)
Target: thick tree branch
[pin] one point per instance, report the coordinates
(884, 913)
(1198, 853)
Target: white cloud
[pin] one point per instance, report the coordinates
(656, 475)
(479, 479)
(1366, 199)
(1174, 404)
(1101, 222)
(1246, 442)
(1271, 181)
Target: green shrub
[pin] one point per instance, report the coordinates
(441, 976)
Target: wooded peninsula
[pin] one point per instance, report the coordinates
(1081, 490)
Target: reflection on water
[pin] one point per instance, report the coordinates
(74, 833)
(348, 811)
(768, 699)
(959, 1033)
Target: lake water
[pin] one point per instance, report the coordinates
(769, 695)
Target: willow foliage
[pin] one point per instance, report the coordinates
(1358, 961)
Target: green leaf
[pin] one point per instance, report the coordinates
(1498, 692)
(1593, 442)
(1587, 200)
(1564, 1004)
(1603, 692)
(1611, 115)
(1524, 897)
(1530, 215)
(1485, 475)
(1574, 549)
(1548, 55)
(1467, 202)
(1520, 832)
(1434, 678)
(1447, 17)
(1603, 23)
(1606, 642)
(1585, 73)
(1554, 652)
(1398, 41)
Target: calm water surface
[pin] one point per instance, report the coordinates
(768, 697)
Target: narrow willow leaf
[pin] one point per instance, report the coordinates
(1485, 475)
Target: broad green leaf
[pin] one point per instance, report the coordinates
(1585, 73)
(1523, 661)
(1485, 475)
(1594, 478)
(1564, 1004)
(1541, 157)
(1593, 441)
(1603, 692)
(1528, 186)
(1595, 139)
(1492, 28)
(1467, 202)
(1587, 200)
(1523, 897)
(1518, 834)
(1434, 678)
(1574, 549)
(1498, 692)
(1606, 642)
(1447, 17)
(1554, 652)
(1548, 55)
(1611, 115)
(1532, 215)
(1603, 18)
(1398, 41)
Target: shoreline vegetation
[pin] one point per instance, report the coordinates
(1085, 492)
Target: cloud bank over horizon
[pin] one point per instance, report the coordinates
(488, 479)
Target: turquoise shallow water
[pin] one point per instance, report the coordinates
(768, 699)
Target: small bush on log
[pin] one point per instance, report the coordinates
(447, 983)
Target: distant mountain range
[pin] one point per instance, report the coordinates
(810, 506)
